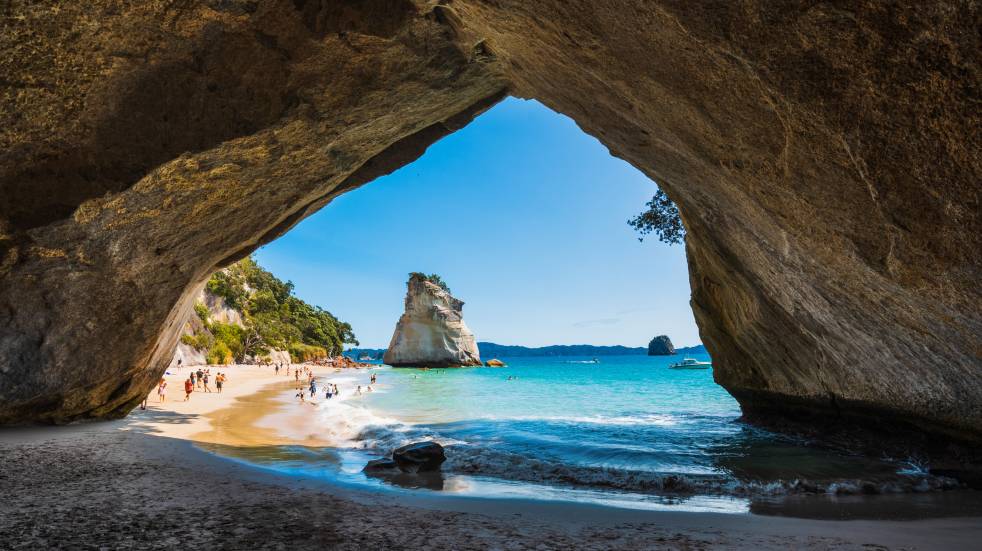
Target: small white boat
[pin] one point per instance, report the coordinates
(689, 363)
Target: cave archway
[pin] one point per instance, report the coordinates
(825, 162)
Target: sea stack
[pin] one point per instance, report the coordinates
(661, 346)
(431, 332)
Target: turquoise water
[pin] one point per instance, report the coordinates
(626, 431)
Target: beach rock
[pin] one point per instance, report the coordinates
(432, 331)
(661, 346)
(381, 465)
(494, 363)
(419, 457)
(824, 160)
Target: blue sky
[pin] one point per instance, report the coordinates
(523, 215)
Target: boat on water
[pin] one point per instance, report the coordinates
(690, 363)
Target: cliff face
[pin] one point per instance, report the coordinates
(661, 346)
(824, 160)
(218, 311)
(432, 331)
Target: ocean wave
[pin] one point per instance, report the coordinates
(343, 425)
(662, 420)
(477, 461)
(348, 423)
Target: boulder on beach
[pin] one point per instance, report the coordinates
(661, 346)
(431, 332)
(495, 363)
(419, 457)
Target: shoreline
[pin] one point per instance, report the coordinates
(138, 480)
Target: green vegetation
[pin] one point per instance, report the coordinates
(201, 341)
(662, 217)
(272, 316)
(201, 310)
(220, 354)
(432, 278)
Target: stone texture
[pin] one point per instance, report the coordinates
(824, 157)
(383, 464)
(431, 332)
(661, 346)
(419, 457)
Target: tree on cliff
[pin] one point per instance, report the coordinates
(432, 278)
(662, 217)
(273, 317)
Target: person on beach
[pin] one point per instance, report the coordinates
(373, 378)
(205, 379)
(313, 387)
(162, 390)
(328, 393)
(296, 375)
(200, 374)
(192, 378)
(359, 390)
(188, 387)
(219, 379)
(300, 394)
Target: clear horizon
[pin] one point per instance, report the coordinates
(523, 215)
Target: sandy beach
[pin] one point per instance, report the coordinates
(145, 482)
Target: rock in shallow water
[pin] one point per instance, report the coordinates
(432, 331)
(384, 464)
(419, 457)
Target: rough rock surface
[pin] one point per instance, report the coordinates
(824, 158)
(661, 346)
(384, 464)
(419, 457)
(431, 332)
(218, 311)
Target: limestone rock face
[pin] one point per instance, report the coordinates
(824, 158)
(431, 332)
(661, 346)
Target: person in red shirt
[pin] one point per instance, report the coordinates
(188, 389)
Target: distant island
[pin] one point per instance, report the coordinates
(661, 346)
(492, 350)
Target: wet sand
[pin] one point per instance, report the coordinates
(143, 482)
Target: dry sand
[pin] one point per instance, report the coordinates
(143, 483)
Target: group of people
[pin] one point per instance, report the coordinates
(332, 389)
(311, 382)
(199, 379)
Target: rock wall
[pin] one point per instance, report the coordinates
(431, 332)
(281, 357)
(824, 157)
(185, 355)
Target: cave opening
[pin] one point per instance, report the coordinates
(525, 218)
(521, 212)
